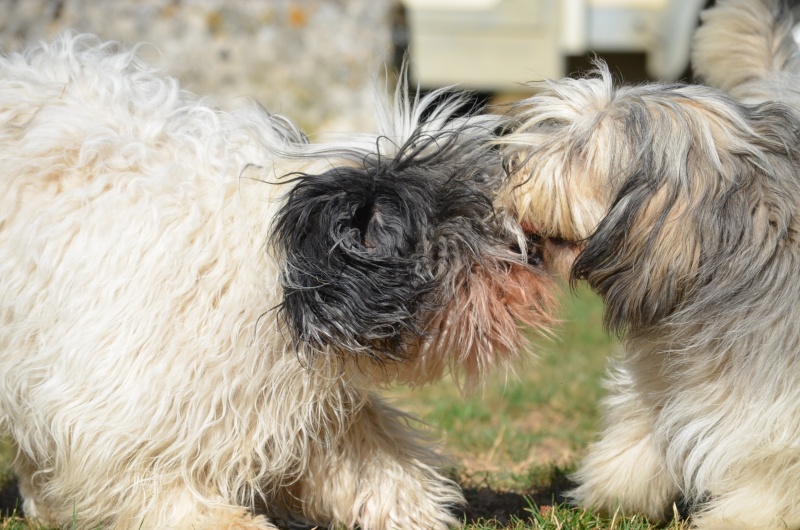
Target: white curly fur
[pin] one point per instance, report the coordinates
(144, 380)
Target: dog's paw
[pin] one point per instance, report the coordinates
(250, 523)
(622, 470)
(232, 519)
(398, 502)
(408, 515)
(391, 497)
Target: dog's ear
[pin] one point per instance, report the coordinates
(694, 219)
(351, 279)
(643, 256)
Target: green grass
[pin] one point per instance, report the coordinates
(562, 517)
(517, 434)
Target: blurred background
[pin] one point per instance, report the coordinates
(312, 60)
(494, 45)
(317, 60)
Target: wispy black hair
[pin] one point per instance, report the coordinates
(368, 246)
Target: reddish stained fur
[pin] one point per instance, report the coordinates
(481, 327)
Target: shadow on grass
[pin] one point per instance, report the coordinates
(483, 503)
(489, 504)
(10, 501)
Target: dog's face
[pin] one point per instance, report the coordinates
(397, 256)
(665, 189)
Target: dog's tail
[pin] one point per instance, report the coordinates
(746, 47)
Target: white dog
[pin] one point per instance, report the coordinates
(194, 305)
(685, 204)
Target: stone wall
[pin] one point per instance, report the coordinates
(316, 61)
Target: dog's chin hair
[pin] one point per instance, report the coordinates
(481, 327)
(686, 203)
(746, 47)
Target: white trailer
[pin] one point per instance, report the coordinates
(494, 45)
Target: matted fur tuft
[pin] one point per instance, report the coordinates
(684, 203)
(170, 362)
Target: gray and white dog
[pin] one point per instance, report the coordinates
(196, 306)
(685, 204)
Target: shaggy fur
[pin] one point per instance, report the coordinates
(746, 47)
(685, 205)
(195, 304)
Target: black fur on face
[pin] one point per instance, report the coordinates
(371, 248)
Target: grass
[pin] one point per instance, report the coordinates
(514, 440)
(562, 517)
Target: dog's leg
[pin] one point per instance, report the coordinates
(626, 468)
(176, 509)
(379, 477)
